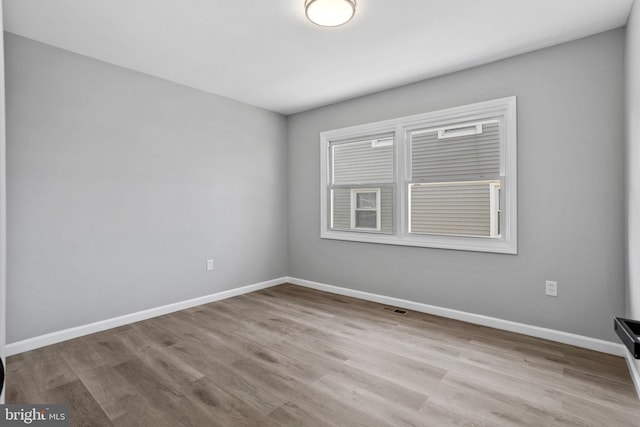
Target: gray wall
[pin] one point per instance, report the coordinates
(121, 185)
(632, 74)
(570, 194)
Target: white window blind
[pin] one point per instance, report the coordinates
(363, 162)
(453, 208)
(450, 191)
(456, 158)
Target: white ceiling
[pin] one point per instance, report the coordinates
(265, 52)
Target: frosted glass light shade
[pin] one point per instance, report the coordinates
(330, 13)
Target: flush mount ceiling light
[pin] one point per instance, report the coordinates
(330, 13)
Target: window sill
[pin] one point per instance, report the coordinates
(474, 244)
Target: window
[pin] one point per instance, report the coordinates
(445, 179)
(365, 209)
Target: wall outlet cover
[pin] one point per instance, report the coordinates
(551, 288)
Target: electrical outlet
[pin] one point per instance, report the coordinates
(551, 288)
(209, 265)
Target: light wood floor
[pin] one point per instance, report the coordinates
(293, 356)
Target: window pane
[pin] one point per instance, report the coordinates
(366, 200)
(366, 219)
(455, 158)
(341, 208)
(362, 162)
(455, 208)
(340, 214)
(386, 209)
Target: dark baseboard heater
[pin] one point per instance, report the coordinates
(629, 333)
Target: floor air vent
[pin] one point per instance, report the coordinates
(396, 310)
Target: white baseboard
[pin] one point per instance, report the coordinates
(521, 328)
(67, 334)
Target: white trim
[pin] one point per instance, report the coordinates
(103, 325)
(382, 142)
(3, 214)
(633, 370)
(478, 319)
(494, 208)
(456, 131)
(462, 243)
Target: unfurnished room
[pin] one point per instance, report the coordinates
(320, 213)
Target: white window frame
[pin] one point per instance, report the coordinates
(503, 109)
(494, 209)
(354, 208)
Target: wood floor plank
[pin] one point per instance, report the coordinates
(23, 387)
(110, 347)
(84, 410)
(386, 411)
(46, 369)
(81, 356)
(503, 402)
(109, 389)
(291, 356)
(292, 415)
(254, 394)
(326, 406)
(221, 406)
